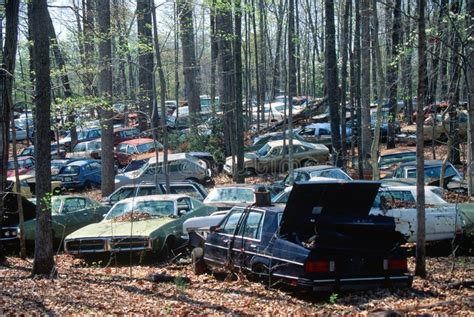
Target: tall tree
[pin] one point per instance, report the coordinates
(105, 89)
(44, 260)
(470, 83)
(344, 52)
(406, 67)
(239, 124)
(291, 81)
(366, 134)
(332, 82)
(190, 65)
(145, 57)
(392, 75)
(6, 85)
(89, 46)
(420, 269)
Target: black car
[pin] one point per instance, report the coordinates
(318, 242)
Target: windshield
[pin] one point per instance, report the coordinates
(152, 208)
(282, 197)
(264, 150)
(147, 147)
(434, 172)
(96, 145)
(70, 170)
(230, 195)
(55, 204)
(388, 160)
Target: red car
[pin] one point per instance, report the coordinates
(125, 134)
(26, 164)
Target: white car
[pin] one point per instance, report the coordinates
(443, 221)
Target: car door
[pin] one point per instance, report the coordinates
(95, 172)
(75, 215)
(247, 243)
(216, 246)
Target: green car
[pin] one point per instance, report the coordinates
(144, 224)
(69, 213)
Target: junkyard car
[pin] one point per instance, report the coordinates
(390, 159)
(317, 242)
(227, 196)
(85, 149)
(26, 165)
(182, 166)
(68, 213)
(27, 185)
(147, 223)
(136, 149)
(192, 189)
(304, 174)
(80, 174)
(273, 157)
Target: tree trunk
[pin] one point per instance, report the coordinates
(344, 75)
(407, 70)
(155, 116)
(239, 125)
(44, 260)
(332, 82)
(224, 23)
(380, 88)
(89, 47)
(263, 58)
(291, 83)
(214, 51)
(470, 83)
(190, 66)
(393, 74)
(145, 58)
(105, 89)
(257, 68)
(420, 269)
(366, 134)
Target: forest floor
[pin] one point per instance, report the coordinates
(82, 287)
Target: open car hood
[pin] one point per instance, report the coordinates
(10, 216)
(338, 214)
(330, 198)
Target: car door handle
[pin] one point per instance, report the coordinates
(253, 246)
(225, 240)
(85, 214)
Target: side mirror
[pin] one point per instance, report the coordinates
(214, 228)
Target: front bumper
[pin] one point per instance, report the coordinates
(108, 244)
(358, 283)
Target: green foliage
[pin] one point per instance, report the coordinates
(333, 298)
(180, 283)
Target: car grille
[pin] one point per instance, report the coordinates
(85, 245)
(129, 243)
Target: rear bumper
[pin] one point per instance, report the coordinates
(360, 283)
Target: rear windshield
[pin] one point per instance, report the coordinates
(70, 170)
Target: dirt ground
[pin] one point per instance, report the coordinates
(94, 288)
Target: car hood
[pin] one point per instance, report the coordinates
(310, 200)
(126, 228)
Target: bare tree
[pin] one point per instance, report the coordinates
(239, 125)
(145, 57)
(105, 89)
(190, 66)
(366, 134)
(470, 82)
(420, 269)
(332, 82)
(291, 81)
(44, 260)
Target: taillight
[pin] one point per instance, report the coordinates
(319, 266)
(397, 264)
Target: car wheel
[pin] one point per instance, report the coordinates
(197, 256)
(307, 163)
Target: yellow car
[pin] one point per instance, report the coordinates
(27, 185)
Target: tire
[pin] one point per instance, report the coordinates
(308, 163)
(199, 266)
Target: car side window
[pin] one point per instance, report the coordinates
(146, 191)
(231, 222)
(299, 149)
(185, 189)
(276, 151)
(131, 149)
(124, 192)
(94, 166)
(253, 225)
(398, 173)
(122, 148)
(29, 163)
(307, 131)
(301, 177)
(94, 134)
(74, 204)
(184, 205)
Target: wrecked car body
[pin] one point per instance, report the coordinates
(316, 242)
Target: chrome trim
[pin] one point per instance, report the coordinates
(399, 277)
(362, 279)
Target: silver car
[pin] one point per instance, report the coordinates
(181, 166)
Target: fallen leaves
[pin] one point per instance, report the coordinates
(81, 288)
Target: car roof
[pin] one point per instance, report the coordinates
(397, 151)
(275, 208)
(81, 162)
(124, 129)
(155, 197)
(152, 184)
(171, 157)
(280, 142)
(310, 169)
(137, 141)
(251, 186)
(427, 163)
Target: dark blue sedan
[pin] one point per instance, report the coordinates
(80, 174)
(318, 241)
